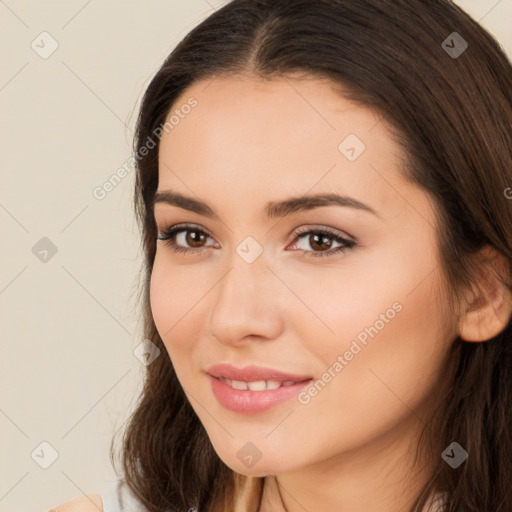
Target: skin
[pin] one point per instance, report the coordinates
(249, 142)
(84, 503)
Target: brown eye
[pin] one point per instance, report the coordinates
(195, 238)
(184, 238)
(321, 242)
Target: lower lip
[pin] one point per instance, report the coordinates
(252, 402)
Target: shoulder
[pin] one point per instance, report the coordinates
(86, 503)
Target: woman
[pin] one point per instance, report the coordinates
(377, 135)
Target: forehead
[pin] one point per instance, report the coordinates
(257, 138)
(256, 115)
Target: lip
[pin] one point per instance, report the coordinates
(253, 402)
(253, 373)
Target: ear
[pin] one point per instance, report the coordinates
(488, 307)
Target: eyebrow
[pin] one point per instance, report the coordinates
(273, 209)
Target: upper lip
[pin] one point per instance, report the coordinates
(253, 373)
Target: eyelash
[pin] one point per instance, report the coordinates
(167, 234)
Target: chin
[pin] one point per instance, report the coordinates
(261, 468)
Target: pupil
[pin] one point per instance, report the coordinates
(320, 237)
(194, 237)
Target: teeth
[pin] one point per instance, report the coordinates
(238, 384)
(259, 385)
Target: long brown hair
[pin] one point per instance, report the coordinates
(453, 118)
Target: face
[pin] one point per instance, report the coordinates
(347, 293)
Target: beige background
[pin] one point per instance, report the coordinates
(68, 374)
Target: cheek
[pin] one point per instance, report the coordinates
(165, 302)
(387, 317)
(176, 297)
(377, 383)
(367, 297)
(392, 344)
(159, 300)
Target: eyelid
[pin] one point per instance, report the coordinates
(163, 233)
(182, 226)
(326, 229)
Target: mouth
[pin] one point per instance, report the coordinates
(253, 389)
(254, 374)
(256, 385)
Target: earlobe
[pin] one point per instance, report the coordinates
(487, 311)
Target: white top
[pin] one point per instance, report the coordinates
(119, 498)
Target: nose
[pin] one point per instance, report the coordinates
(248, 304)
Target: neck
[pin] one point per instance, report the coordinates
(369, 478)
